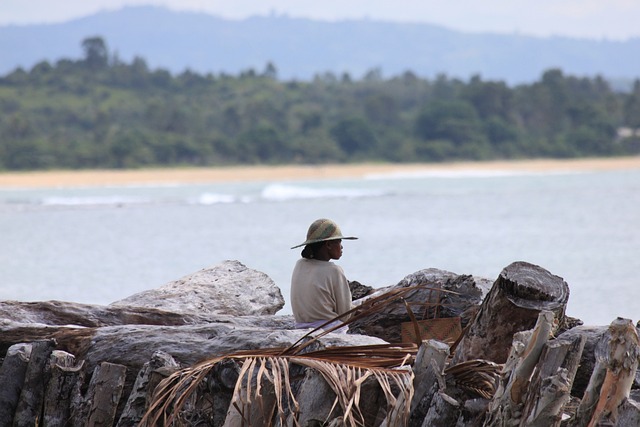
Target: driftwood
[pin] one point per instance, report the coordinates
(134, 345)
(521, 291)
(91, 315)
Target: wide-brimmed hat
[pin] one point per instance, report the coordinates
(322, 230)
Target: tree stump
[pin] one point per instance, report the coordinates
(520, 292)
(31, 400)
(159, 367)
(444, 411)
(100, 403)
(428, 367)
(616, 363)
(12, 374)
(629, 414)
(64, 382)
(550, 387)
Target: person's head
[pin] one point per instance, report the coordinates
(324, 240)
(324, 251)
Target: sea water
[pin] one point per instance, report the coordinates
(101, 244)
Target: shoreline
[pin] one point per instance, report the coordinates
(188, 175)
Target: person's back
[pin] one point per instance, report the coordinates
(319, 288)
(319, 291)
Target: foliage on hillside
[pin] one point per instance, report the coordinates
(99, 112)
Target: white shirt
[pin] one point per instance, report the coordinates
(319, 291)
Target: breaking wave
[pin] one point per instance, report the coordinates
(282, 192)
(92, 201)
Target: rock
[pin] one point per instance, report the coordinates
(228, 288)
(426, 303)
(358, 290)
(134, 345)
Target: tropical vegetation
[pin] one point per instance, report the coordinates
(100, 112)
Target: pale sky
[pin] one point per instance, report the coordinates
(594, 19)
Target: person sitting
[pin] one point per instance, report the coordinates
(319, 288)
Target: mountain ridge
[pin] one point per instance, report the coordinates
(301, 48)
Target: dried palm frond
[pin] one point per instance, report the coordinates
(257, 370)
(366, 308)
(477, 376)
(343, 368)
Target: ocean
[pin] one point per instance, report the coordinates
(100, 244)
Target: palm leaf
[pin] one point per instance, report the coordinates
(344, 368)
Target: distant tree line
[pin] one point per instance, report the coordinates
(100, 112)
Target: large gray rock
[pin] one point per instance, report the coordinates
(425, 300)
(227, 288)
(133, 345)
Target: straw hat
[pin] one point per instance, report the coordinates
(322, 230)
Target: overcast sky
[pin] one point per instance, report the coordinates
(595, 19)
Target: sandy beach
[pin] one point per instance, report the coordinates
(275, 173)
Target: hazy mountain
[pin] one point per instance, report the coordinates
(301, 48)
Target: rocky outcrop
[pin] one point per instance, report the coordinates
(435, 294)
(78, 364)
(228, 288)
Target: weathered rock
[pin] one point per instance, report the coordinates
(358, 290)
(425, 303)
(519, 294)
(228, 288)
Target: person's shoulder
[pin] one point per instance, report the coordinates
(335, 267)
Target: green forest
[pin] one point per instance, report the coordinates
(100, 112)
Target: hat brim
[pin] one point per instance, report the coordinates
(309, 242)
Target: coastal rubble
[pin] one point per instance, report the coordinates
(519, 361)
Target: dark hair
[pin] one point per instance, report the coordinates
(310, 251)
